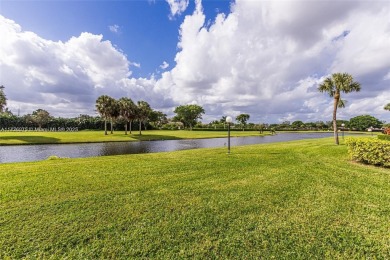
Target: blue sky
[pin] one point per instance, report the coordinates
(142, 29)
(264, 58)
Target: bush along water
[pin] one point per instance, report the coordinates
(369, 151)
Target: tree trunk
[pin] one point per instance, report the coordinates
(140, 128)
(105, 126)
(112, 128)
(336, 102)
(126, 128)
(130, 126)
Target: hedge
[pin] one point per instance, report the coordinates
(369, 151)
(384, 137)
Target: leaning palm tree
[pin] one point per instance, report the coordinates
(127, 110)
(103, 106)
(334, 85)
(387, 107)
(144, 111)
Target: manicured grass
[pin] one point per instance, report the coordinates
(296, 200)
(13, 138)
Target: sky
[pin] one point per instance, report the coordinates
(262, 58)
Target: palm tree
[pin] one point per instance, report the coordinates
(144, 110)
(334, 85)
(103, 106)
(3, 99)
(127, 110)
(114, 113)
(387, 107)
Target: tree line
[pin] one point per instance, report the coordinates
(124, 113)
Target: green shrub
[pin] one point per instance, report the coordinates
(369, 151)
(384, 137)
(53, 157)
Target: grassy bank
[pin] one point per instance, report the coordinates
(14, 138)
(297, 200)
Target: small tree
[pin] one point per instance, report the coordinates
(365, 121)
(242, 119)
(387, 107)
(40, 117)
(188, 114)
(158, 118)
(223, 121)
(297, 124)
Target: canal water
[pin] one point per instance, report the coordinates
(25, 153)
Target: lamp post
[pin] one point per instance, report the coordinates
(342, 125)
(229, 119)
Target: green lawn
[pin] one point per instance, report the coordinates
(296, 200)
(13, 138)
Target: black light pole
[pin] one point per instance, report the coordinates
(228, 121)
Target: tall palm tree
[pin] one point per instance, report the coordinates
(3, 99)
(127, 110)
(114, 113)
(133, 115)
(103, 106)
(144, 110)
(387, 107)
(334, 85)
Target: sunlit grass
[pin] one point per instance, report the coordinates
(12, 138)
(297, 200)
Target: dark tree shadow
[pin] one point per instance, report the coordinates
(29, 139)
(148, 137)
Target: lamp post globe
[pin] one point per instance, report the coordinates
(229, 119)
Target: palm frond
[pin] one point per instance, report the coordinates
(327, 86)
(341, 103)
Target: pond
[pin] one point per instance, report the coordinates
(25, 153)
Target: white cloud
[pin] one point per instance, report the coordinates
(114, 28)
(164, 65)
(135, 64)
(265, 58)
(39, 73)
(177, 7)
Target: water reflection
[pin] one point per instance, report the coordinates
(24, 153)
